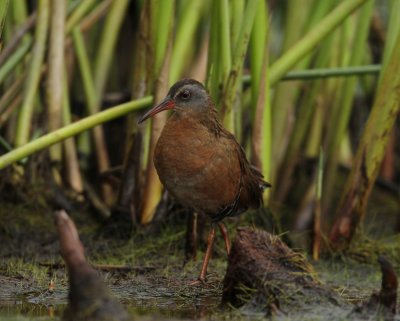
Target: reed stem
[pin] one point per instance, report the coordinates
(162, 24)
(92, 103)
(72, 130)
(106, 49)
(182, 43)
(311, 39)
(3, 14)
(32, 81)
(54, 90)
(371, 150)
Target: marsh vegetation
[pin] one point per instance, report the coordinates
(309, 88)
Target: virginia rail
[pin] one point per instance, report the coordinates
(200, 163)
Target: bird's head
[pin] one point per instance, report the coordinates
(186, 95)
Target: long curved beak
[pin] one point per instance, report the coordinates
(166, 104)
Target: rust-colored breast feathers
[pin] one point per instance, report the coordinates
(198, 168)
(206, 169)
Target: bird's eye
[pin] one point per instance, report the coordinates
(185, 94)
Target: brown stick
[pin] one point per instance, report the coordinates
(388, 293)
(73, 174)
(316, 243)
(129, 192)
(95, 15)
(89, 299)
(11, 92)
(387, 168)
(191, 237)
(71, 247)
(16, 38)
(10, 109)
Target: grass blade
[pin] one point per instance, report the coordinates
(32, 83)
(302, 47)
(72, 130)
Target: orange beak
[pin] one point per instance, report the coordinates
(166, 104)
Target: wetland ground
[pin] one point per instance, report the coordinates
(146, 271)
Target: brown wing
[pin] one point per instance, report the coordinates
(251, 184)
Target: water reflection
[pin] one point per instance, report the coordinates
(37, 307)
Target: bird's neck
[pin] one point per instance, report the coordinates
(207, 119)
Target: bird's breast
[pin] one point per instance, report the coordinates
(199, 169)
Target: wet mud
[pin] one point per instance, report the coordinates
(146, 274)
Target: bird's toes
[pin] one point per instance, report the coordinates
(199, 281)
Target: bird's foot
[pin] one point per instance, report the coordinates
(199, 281)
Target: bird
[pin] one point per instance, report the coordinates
(201, 164)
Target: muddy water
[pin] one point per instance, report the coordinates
(170, 297)
(21, 301)
(31, 307)
(24, 309)
(145, 296)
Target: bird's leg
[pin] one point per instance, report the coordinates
(207, 257)
(225, 235)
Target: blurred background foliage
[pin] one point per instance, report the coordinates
(310, 88)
